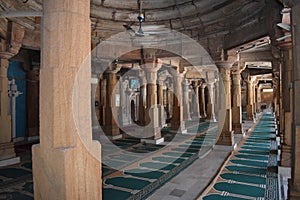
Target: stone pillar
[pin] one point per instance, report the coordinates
(254, 98)
(177, 122)
(7, 151)
(249, 107)
(63, 167)
(203, 103)
(196, 106)
(94, 87)
(102, 100)
(258, 99)
(294, 185)
(237, 102)
(211, 99)
(160, 98)
(186, 101)
(142, 99)
(226, 137)
(287, 93)
(32, 101)
(111, 127)
(152, 112)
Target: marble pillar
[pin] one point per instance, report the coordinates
(94, 87)
(7, 151)
(237, 102)
(186, 101)
(196, 107)
(177, 122)
(111, 127)
(66, 163)
(258, 99)
(211, 99)
(203, 102)
(226, 137)
(294, 184)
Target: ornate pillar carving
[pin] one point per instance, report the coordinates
(152, 112)
(66, 163)
(177, 122)
(226, 137)
(237, 102)
(8, 48)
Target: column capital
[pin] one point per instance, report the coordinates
(203, 85)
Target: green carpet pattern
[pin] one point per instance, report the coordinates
(251, 173)
(139, 182)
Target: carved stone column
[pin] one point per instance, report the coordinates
(162, 120)
(8, 48)
(287, 93)
(196, 106)
(258, 99)
(152, 112)
(177, 122)
(237, 102)
(102, 100)
(186, 102)
(203, 103)
(294, 186)
(249, 107)
(211, 99)
(142, 99)
(226, 137)
(111, 127)
(66, 163)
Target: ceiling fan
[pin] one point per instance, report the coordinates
(150, 30)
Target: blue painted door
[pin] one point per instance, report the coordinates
(15, 71)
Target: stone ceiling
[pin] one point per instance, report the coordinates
(199, 19)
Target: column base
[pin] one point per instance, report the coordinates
(250, 115)
(67, 173)
(238, 128)
(293, 193)
(115, 137)
(11, 161)
(153, 141)
(286, 156)
(7, 153)
(33, 138)
(226, 138)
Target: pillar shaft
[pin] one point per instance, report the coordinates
(203, 103)
(226, 137)
(196, 106)
(287, 92)
(111, 113)
(237, 103)
(152, 112)
(186, 104)
(142, 100)
(211, 100)
(6, 145)
(177, 122)
(294, 187)
(250, 114)
(160, 99)
(63, 167)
